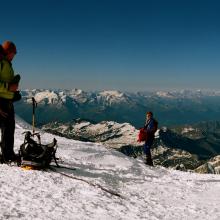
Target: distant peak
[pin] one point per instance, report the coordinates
(111, 93)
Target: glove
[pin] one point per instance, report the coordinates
(16, 79)
(13, 87)
(17, 96)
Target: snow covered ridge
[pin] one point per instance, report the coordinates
(52, 97)
(165, 94)
(147, 193)
(56, 96)
(109, 133)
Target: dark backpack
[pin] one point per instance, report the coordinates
(35, 154)
(155, 125)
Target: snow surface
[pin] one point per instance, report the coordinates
(147, 193)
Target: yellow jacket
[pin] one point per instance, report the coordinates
(6, 77)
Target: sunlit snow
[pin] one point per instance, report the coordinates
(147, 193)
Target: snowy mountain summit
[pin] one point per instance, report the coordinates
(50, 97)
(113, 97)
(145, 192)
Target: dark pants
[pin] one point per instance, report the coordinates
(7, 130)
(147, 147)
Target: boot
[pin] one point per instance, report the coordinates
(149, 161)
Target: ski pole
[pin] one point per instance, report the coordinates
(34, 104)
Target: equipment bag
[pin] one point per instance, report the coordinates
(35, 154)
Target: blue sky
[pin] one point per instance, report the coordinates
(115, 44)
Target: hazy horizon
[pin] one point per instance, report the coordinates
(125, 91)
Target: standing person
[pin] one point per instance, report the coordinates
(150, 128)
(8, 94)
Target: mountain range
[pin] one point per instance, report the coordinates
(170, 108)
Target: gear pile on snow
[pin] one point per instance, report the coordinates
(33, 154)
(36, 155)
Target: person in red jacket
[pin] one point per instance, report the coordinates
(150, 128)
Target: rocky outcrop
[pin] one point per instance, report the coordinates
(211, 166)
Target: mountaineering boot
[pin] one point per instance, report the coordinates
(149, 161)
(15, 158)
(1, 159)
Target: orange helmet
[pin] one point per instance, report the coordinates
(9, 47)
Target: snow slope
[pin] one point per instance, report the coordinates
(147, 193)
